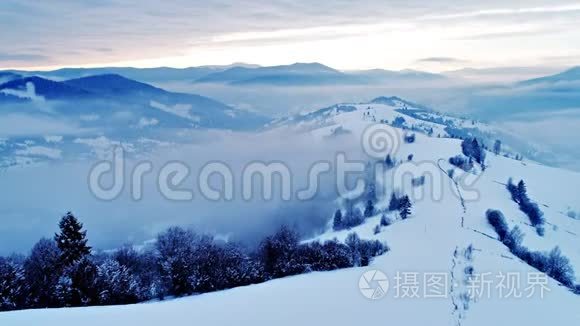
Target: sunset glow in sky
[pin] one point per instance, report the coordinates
(428, 35)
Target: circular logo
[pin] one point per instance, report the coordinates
(380, 140)
(373, 284)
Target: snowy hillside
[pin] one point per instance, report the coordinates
(447, 234)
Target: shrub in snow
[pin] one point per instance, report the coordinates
(410, 138)
(473, 149)
(465, 164)
(419, 181)
(352, 218)
(559, 267)
(398, 122)
(514, 239)
(363, 251)
(276, 253)
(553, 263)
(331, 255)
(240, 268)
(497, 220)
(450, 173)
(81, 279)
(385, 221)
(116, 284)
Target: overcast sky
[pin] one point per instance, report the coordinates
(433, 35)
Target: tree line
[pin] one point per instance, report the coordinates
(65, 272)
(553, 263)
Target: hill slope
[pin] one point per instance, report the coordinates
(448, 218)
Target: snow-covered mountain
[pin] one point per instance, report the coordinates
(108, 108)
(447, 235)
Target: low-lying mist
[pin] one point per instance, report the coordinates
(35, 197)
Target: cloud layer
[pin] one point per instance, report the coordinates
(343, 33)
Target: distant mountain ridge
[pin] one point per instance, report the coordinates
(572, 74)
(312, 73)
(242, 74)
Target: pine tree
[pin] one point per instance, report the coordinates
(513, 189)
(394, 202)
(559, 267)
(369, 209)
(337, 222)
(522, 191)
(385, 220)
(389, 161)
(12, 284)
(71, 240)
(497, 147)
(405, 207)
(370, 190)
(353, 242)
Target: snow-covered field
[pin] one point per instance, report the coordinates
(446, 235)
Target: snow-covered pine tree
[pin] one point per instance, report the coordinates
(405, 207)
(71, 240)
(394, 202)
(353, 242)
(522, 191)
(385, 220)
(337, 223)
(497, 147)
(12, 284)
(389, 162)
(369, 209)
